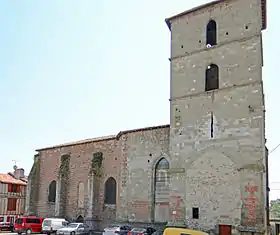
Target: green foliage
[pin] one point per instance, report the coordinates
(275, 208)
(96, 163)
(64, 166)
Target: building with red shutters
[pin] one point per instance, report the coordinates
(12, 194)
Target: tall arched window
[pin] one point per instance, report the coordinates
(161, 191)
(110, 193)
(162, 178)
(212, 77)
(211, 33)
(52, 191)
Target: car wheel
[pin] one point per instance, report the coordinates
(28, 231)
(90, 233)
(72, 233)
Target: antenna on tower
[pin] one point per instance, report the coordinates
(15, 164)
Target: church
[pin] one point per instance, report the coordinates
(208, 167)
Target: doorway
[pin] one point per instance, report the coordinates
(225, 229)
(80, 219)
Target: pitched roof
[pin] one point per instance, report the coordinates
(8, 179)
(104, 138)
(24, 179)
(97, 139)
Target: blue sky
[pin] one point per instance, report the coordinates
(78, 69)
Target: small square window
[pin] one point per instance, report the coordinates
(195, 213)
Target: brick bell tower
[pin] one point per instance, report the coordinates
(217, 138)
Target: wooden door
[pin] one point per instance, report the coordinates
(224, 229)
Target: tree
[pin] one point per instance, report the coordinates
(275, 208)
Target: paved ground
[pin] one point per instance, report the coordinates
(7, 233)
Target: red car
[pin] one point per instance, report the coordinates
(28, 225)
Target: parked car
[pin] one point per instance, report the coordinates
(179, 230)
(75, 228)
(51, 225)
(7, 222)
(117, 229)
(142, 231)
(158, 231)
(4, 226)
(28, 225)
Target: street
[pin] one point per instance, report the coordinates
(9, 233)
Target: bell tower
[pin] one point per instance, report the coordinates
(217, 137)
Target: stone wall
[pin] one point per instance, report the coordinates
(121, 156)
(217, 143)
(140, 150)
(33, 188)
(63, 184)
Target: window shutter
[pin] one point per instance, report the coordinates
(9, 188)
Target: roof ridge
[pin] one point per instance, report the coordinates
(103, 138)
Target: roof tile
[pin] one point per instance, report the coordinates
(6, 178)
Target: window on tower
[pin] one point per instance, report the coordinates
(212, 77)
(211, 33)
(211, 125)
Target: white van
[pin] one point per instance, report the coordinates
(51, 225)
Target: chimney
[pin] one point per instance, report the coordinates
(19, 173)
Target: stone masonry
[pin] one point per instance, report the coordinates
(217, 141)
(145, 145)
(207, 168)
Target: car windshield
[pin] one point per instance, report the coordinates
(72, 225)
(18, 221)
(47, 223)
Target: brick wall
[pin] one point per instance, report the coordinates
(120, 153)
(80, 166)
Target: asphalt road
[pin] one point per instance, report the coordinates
(9, 233)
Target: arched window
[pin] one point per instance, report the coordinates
(211, 33)
(110, 191)
(161, 191)
(162, 173)
(212, 77)
(162, 164)
(52, 191)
